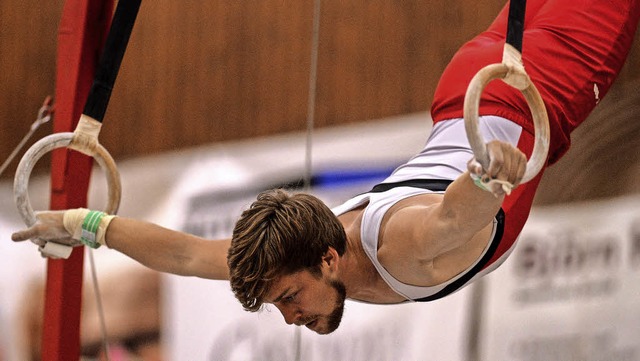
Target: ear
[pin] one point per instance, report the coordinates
(330, 259)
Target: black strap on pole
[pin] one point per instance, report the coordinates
(515, 24)
(111, 58)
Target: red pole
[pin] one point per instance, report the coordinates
(83, 27)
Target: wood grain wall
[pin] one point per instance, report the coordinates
(198, 72)
(206, 71)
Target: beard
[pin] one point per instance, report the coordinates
(334, 318)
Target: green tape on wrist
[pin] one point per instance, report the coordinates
(477, 180)
(90, 228)
(503, 186)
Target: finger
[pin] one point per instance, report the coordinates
(496, 159)
(497, 170)
(508, 165)
(522, 168)
(23, 235)
(474, 167)
(512, 176)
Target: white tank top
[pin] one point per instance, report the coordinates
(444, 158)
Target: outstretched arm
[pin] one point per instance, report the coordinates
(169, 251)
(156, 247)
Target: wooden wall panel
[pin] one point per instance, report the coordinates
(27, 69)
(382, 58)
(211, 71)
(198, 72)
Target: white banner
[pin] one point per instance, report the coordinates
(571, 289)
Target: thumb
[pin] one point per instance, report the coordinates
(475, 167)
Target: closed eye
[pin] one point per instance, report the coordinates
(290, 298)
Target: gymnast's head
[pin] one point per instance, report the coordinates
(282, 249)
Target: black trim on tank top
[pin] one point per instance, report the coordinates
(439, 185)
(436, 185)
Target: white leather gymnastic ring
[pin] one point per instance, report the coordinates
(47, 144)
(536, 105)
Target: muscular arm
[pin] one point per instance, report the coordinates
(169, 251)
(464, 211)
(156, 247)
(430, 226)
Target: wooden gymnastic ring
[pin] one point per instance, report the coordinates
(47, 144)
(536, 106)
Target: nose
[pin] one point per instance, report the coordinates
(290, 314)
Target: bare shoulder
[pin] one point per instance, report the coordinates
(410, 239)
(420, 245)
(411, 221)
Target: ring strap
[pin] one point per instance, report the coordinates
(109, 64)
(515, 23)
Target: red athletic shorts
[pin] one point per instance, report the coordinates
(572, 50)
(569, 47)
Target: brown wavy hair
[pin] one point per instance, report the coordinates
(281, 233)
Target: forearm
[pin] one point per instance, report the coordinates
(168, 251)
(468, 208)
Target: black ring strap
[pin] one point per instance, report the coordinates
(515, 23)
(111, 58)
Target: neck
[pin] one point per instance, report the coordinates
(359, 276)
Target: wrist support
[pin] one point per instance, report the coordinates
(87, 226)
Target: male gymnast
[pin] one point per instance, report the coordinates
(427, 230)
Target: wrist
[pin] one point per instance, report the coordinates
(495, 186)
(87, 226)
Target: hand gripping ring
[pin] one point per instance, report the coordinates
(54, 141)
(536, 105)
